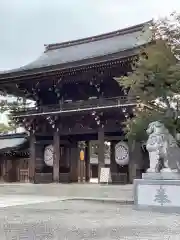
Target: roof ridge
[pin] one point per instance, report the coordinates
(94, 38)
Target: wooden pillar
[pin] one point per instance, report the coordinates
(79, 167)
(32, 160)
(113, 164)
(135, 160)
(81, 162)
(56, 159)
(87, 160)
(101, 162)
(39, 158)
(67, 156)
(83, 167)
(74, 159)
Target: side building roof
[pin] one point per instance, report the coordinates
(75, 53)
(13, 142)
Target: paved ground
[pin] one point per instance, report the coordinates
(71, 220)
(120, 192)
(40, 212)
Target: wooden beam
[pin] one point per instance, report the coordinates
(114, 138)
(48, 142)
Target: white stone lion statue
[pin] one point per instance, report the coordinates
(164, 153)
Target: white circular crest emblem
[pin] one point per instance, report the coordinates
(48, 155)
(121, 153)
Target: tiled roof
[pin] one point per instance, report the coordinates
(12, 142)
(90, 48)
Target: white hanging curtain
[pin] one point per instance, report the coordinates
(122, 153)
(48, 155)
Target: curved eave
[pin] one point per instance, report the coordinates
(68, 66)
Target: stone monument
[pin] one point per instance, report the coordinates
(159, 188)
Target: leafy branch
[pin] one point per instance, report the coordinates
(155, 79)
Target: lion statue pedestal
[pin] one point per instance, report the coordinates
(159, 188)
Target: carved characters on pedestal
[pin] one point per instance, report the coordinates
(161, 196)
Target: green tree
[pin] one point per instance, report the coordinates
(155, 79)
(9, 104)
(5, 128)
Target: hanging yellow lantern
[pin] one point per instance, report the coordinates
(81, 155)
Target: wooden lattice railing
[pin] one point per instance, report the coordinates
(91, 104)
(24, 175)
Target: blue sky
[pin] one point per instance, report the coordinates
(26, 25)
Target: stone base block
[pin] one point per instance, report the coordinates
(162, 176)
(157, 195)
